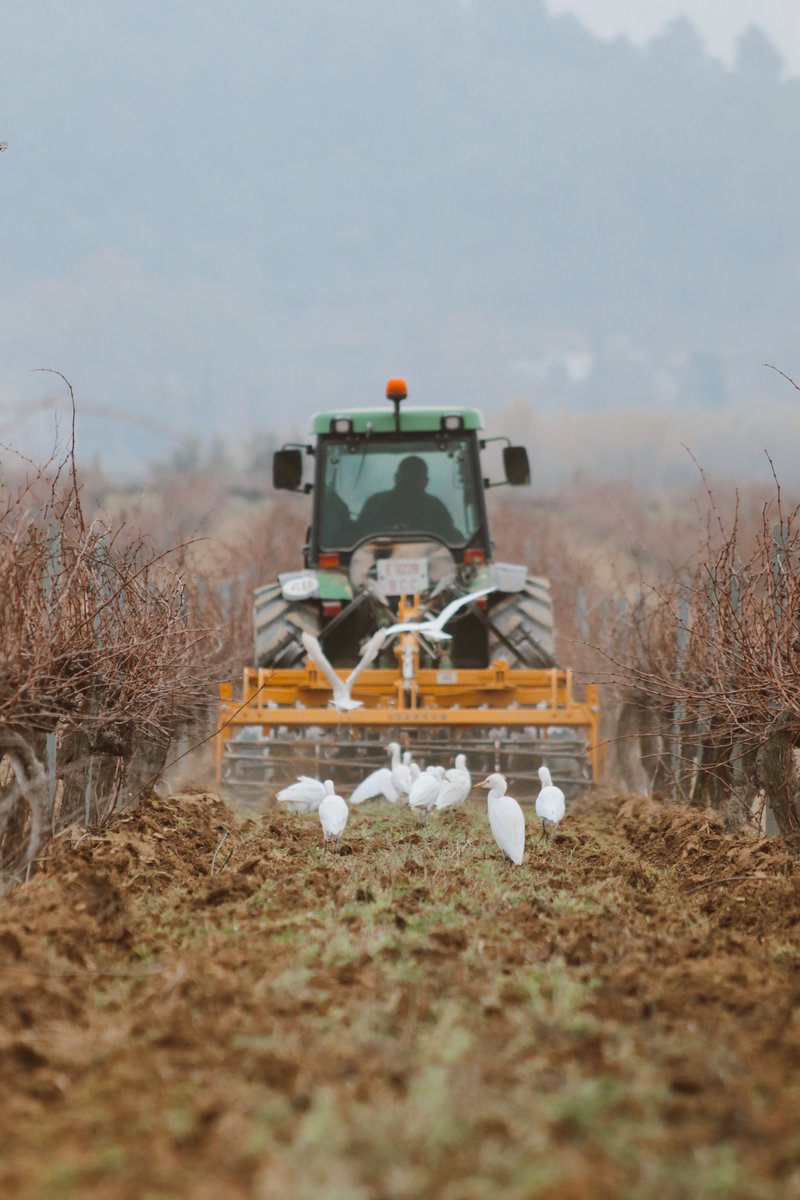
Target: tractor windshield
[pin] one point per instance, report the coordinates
(416, 486)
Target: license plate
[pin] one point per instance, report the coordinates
(402, 576)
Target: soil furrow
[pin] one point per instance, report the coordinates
(409, 1018)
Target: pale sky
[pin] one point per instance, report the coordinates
(209, 232)
(719, 21)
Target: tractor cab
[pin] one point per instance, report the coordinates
(398, 509)
(421, 483)
(408, 473)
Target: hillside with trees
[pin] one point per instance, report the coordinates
(287, 203)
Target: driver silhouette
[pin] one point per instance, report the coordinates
(408, 506)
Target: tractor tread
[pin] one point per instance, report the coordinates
(278, 625)
(525, 619)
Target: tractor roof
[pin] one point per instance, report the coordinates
(381, 420)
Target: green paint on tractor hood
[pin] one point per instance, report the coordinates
(381, 420)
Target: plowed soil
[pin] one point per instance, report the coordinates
(182, 1016)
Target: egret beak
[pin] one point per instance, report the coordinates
(487, 783)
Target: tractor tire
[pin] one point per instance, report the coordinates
(277, 625)
(525, 622)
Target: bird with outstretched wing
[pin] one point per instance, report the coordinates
(433, 627)
(342, 688)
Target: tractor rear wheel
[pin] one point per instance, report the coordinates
(523, 626)
(278, 624)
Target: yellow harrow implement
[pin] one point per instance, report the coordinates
(282, 723)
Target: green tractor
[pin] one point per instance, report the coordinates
(399, 501)
(399, 524)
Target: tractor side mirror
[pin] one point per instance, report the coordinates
(517, 468)
(287, 470)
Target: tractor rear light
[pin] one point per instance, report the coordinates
(341, 425)
(452, 421)
(327, 561)
(331, 608)
(474, 557)
(482, 603)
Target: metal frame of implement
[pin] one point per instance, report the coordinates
(472, 701)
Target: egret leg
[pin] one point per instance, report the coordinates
(544, 831)
(502, 851)
(337, 843)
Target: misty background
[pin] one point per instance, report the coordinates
(218, 222)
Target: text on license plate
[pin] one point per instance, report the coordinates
(402, 576)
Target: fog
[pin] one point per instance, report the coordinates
(218, 223)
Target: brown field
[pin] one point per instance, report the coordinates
(408, 1019)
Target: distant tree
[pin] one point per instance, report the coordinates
(679, 47)
(260, 447)
(756, 56)
(186, 456)
(219, 455)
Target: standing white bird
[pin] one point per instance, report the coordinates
(333, 814)
(402, 774)
(457, 785)
(341, 688)
(307, 794)
(506, 819)
(379, 783)
(433, 627)
(550, 804)
(424, 791)
(414, 767)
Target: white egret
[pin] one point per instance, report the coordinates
(414, 767)
(341, 688)
(506, 819)
(456, 786)
(333, 814)
(307, 794)
(433, 627)
(424, 791)
(402, 776)
(550, 803)
(379, 783)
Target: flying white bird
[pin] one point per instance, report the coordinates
(424, 791)
(549, 803)
(3, 146)
(433, 627)
(342, 688)
(307, 794)
(506, 819)
(457, 785)
(379, 783)
(333, 813)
